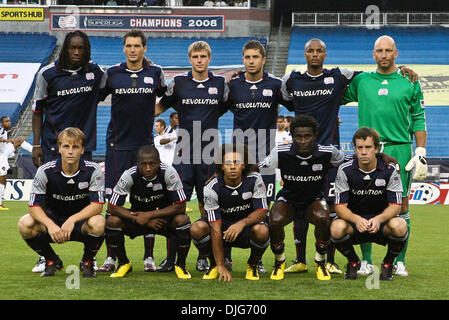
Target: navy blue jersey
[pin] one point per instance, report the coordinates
(132, 104)
(65, 195)
(367, 193)
(147, 195)
(319, 96)
(223, 202)
(303, 177)
(68, 98)
(255, 106)
(199, 105)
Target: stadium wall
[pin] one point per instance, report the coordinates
(238, 22)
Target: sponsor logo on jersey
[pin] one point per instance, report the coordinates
(302, 178)
(253, 105)
(199, 101)
(70, 91)
(312, 93)
(73, 197)
(133, 90)
(237, 208)
(368, 192)
(148, 199)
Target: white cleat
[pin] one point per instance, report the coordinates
(400, 269)
(40, 265)
(149, 265)
(365, 268)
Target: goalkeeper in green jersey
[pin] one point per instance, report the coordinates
(394, 106)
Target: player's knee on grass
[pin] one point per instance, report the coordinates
(338, 228)
(318, 213)
(95, 225)
(397, 227)
(180, 220)
(199, 230)
(279, 216)
(28, 227)
(260, 233)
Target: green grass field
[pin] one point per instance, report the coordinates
(426, 261)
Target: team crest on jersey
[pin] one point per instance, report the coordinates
(157, 187)
(213, 90)
(148, 80)
(83, 185)
(247, 195)
(382, 92)
(380, 182)
(328, 80)
(317, 167)
(90, 76)
(267, 92)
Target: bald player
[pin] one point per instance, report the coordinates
(394, 106)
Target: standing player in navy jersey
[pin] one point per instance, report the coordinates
(236, 205)
(304, 165)
(254, 97)
(368, 197)
(134, 85)
(198, 97)
(66, 201)
(157, 206)
(67, 93)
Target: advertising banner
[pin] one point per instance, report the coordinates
(144, 22)
(21, 14)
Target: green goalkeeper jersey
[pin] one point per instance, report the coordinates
(389, 103)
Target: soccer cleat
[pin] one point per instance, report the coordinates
(261, 267)
(188, 210)
(228, 264)
(211, 274)
(278, 271)
(89, 269)
(40, 265)
(202, 264)
(166, 266)
(108, 265)
(51, 266)
(252, 272)
(333, 268)
(122, 270)
(2, 207)
(321, 271)
(351, 270)
(386, 272)
(149, 265)
(400, 269)
(181, 272)
(95, 264)
(297, 267)
(365, 268)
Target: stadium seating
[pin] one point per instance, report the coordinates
(171, 52)
(353, 45)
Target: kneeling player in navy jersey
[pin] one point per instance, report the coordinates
(66, 201)
(368, 197)
(304, 165)
(236, 204)
(158, 205)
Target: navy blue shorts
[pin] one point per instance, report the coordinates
(133, 229)
(76, 234)
(296, 210)
(243, 238)
(117, 162)
(194, 176)
(363, 237)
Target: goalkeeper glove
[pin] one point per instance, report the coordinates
(419, 161)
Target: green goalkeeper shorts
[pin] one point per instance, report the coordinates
(403, 153)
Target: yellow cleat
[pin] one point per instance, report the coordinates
(297, 268)
(278, 271)
(188, 210)
(182, 273)
(122, 270)
(252, 272)
(321, 271)
(3, 207)
(211, 274)
(333, 268)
